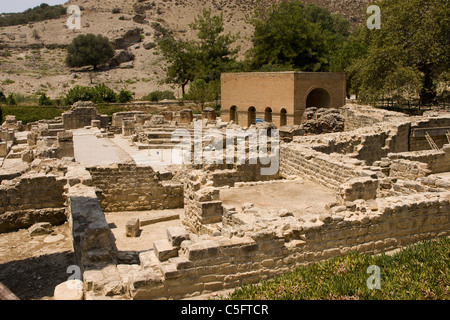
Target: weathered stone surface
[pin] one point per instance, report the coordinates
(132, 227)
(177, 235)
(40, 228)
(69, 290)
(164, 249)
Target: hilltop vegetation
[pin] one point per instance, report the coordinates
(36, 14)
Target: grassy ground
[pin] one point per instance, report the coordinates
(30, 113)
(417, 272)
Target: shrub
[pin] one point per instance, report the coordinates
(102, 93)
(124, 96)
(11, 100)
(44, 100)
(79, 93)
(98, 94)
(159, 95)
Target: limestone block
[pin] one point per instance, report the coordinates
(69, 290)
(132, 228)
(164, 249)
(40, 228)
(177, 235)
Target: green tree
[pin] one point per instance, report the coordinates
(201, 91)
(205, 58)
(297, 37)
(408, 54)
(89, 49)
(180, 60)
(214, 47)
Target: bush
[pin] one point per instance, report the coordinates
(124, 96)
(156, 96)
(79, 93)
(102, 93)
(44, 100)
(98, 94)
(28, 114)
(11, 101)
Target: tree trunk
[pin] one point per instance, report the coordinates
(428, 92)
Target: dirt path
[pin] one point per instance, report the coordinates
(31, 268)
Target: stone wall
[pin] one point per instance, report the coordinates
(129, 187)
(32, 198)
(436, 127)
(330, 170)
(204, 263)
(81, 115)
(437, 161)
(356, 116)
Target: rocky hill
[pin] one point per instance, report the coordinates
(32, 56)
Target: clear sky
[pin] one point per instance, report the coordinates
(8, 6)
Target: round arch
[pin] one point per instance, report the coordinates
(268, 115)
(319, 98)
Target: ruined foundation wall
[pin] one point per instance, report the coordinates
(128, 187)
(356, 116)
(215, 263)
(325, 169)
(32, 198)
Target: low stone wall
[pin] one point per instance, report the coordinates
(204, 263)
(129, 187)
(91, 234)
(32, 198)
(437, 160)
(330, 170)
(356, 116)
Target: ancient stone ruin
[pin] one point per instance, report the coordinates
(147, 227)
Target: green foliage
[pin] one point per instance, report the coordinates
(36, 14)
(8, 81)
(201, 91)
(44, 100)
(297, 37)
(98, 94)
(103, 93)
(28, 114)
(159, 95)
(205, 58)
(89, 49)
(408, 54)
(417, 272)
(79, 93)
(124, 96)
(11, 101)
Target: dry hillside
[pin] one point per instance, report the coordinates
(32, 56)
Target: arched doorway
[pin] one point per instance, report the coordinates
(283, 117)
(233, 114)
(319, 98)
(251, 116)
(268, 115)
